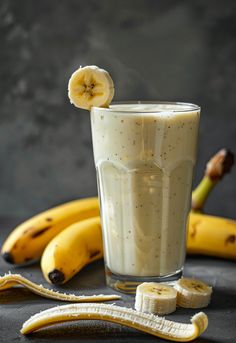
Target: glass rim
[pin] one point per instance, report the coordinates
(191, 107)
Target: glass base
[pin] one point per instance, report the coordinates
(128, 284)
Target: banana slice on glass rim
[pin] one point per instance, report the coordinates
(90, 86)
(192, 293)
(155, 298)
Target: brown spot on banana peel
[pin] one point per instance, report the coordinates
(27, 230)
(193, 229)
(41, 231)
(231, 239)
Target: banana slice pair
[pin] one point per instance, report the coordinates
(90, 86)
(157, 298)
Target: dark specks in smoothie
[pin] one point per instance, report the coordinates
(102, 117)
(122, 121)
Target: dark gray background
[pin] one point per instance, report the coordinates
(155, 50)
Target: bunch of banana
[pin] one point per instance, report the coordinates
(69, 236)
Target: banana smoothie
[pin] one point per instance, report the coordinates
(144, 155)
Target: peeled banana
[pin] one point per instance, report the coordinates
(90, 86)
(156, 298)
(27, 241)
(149, 323)
(73, 248)
(192, 293)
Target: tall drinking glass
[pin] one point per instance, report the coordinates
(144, 155)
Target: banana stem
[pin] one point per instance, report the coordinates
(216, 168)
(201, 193)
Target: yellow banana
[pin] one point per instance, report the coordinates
(28, 240)
(209, 235)
(71, 250)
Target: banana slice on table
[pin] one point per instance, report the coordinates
(156, 298)
(192, 293)
(90, 86)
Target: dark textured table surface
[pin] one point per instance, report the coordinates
(17, 305)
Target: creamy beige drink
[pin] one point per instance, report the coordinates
(144, 156)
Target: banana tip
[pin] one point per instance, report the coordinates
(8, 257)
(56, 277)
